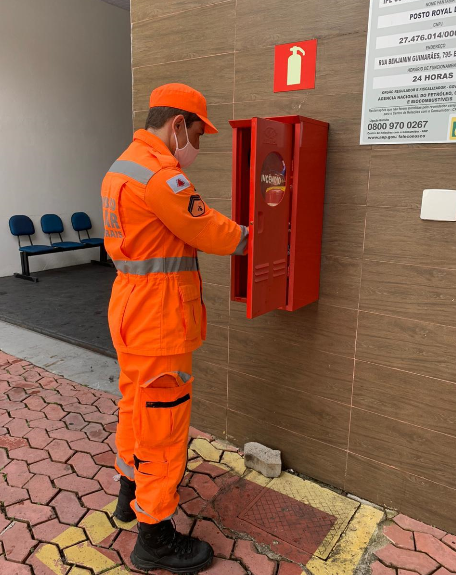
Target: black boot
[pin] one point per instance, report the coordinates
(160, 546)
(123, 510)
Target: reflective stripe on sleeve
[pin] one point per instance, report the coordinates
(239, 251)
(127, 470)
(157, 265)
(132, 170)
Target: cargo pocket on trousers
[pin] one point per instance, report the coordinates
(191, 310)
(154, 468)
(164, 413)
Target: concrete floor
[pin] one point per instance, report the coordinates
(69, 361)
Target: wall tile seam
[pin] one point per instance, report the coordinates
(416, 208)
(254, 100)
(198, 360)
(420, 321)
(216, 325)
(401, 209)
(329, 353)
(171, 14)
(351, 258)
(273, 99)
(439, 379)
(348, 204)
(305, 346)
(167, 62)
(375, 260)
(402, 471)
(350, 357)
(208, 283)
(357, 320)
(330, 37)
(311, 36)
(297, 99)
(282, 97)
(355, 407)
(294, 389)
(210, 402)
(384, 148)
(345, 258)
(290, 431)
(209, 105)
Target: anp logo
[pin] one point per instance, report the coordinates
(452, 129)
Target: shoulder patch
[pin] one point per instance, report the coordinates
(178, 183)
(196, 206)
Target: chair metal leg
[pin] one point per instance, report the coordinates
(103, 261)
(103, 255)
(25, 275)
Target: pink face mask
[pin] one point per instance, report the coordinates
(186, 155)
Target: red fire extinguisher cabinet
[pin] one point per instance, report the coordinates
(279, 167)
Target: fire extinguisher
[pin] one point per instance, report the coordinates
(295, 66)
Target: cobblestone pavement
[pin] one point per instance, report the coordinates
(58, 489)
(415, 548)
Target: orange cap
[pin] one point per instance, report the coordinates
(185, 98)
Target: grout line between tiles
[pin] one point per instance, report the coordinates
(181, 60)
(246, 415)
(357, 324)
(402, 470)
(294, 389)
(171, 14)
(408, 264)
(407, 371)
(421, 321)
(405, 422)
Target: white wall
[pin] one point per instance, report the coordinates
(65, 115)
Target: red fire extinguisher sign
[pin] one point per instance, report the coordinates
(295, 66)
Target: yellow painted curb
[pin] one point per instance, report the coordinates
(69, 537)
(110, 508)
(49, 556)
(347, 553)
(206, 450)
(320, 498)
(87, 556)
(97, 526)
(79, 571)
(234, 461)
(257, 478)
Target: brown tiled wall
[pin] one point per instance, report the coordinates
(359, 390)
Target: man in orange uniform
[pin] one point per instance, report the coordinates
(155, 223)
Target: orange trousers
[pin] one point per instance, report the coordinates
(152, 433)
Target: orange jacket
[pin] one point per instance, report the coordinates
(154, 224)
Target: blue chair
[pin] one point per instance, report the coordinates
(23, 226)
(81, 223)
(52, 224)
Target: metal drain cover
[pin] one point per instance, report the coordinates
(290, 520)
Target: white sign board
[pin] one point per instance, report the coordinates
(410, 75)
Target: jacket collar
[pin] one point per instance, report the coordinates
(156, 144)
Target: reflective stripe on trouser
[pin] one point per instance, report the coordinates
(152, 434)
(125, 469)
